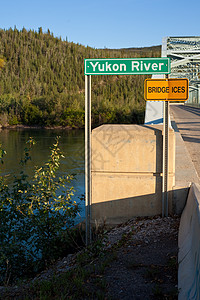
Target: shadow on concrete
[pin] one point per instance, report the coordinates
(193, 110)
(118, 196)
(190, 129)
(191, 139)
(115, 212)
(197, 123)
(174, 126)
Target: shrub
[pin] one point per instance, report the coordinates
(35, 217)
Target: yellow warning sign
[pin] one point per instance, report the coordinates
(172, 89)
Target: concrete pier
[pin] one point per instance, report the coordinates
(127, 172)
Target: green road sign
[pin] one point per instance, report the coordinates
(127, 66)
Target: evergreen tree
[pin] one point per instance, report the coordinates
(43, 76)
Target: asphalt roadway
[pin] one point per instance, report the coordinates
(187, 119)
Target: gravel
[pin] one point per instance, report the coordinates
(144, 265)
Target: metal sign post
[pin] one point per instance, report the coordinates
(88, 158)
(168, 89)
(110, 66)
(165, 157)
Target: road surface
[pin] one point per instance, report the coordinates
(188, 122)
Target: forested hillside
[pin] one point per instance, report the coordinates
(42, 82)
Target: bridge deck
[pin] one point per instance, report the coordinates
(188, 122)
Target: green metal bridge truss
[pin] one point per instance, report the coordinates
(185, 62)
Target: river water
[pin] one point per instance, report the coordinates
(71, 144)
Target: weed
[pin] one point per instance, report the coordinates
(152, 272)
(172, 262)
(157, 291)
(124, 240)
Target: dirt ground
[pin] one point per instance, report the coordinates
(136, 260)
(146, 264)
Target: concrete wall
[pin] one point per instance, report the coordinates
(126, 172)
(189, 247)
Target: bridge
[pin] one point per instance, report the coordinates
(188, 123)
(127, 172)
(185, 57)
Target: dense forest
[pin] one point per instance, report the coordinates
(42, 82)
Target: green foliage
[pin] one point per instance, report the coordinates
(42, 82)
(35, 217)
(82, 282)
(2, 63)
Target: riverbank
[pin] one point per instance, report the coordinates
(19, 126)
(136, 260)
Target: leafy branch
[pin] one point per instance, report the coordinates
(36, 216)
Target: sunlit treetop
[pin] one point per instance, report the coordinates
(2, 63)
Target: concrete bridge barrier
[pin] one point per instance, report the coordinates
(189, 247)
(127, 172)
